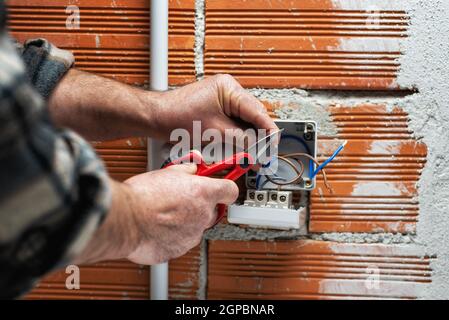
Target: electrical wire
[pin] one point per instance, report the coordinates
(274, 178)
(259, 176)
(331, 158)
(300, 154)
(292, 137)
(299, 173)
(295, 180)
(304, 144)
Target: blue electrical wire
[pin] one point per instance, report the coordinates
(312, 172)
(258, 176)
(325, 163)
(258, 181)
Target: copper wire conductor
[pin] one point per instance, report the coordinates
(323, 172)
(300, 172)
(295, 180)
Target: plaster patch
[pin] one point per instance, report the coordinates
(369, 45)
(234, 232)
(295, 104)
(97, 41)
(385, 289)
(202, 272)
(199, 38)
(380, 5)
(384, 238)
(380, 189)
(384, 147)
(425, 66)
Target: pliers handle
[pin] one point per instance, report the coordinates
(239, 164)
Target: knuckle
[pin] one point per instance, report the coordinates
(197, 240)
(233, 189)
(202, 208)
(196, 193)
(180, 250)
(225, 78)
(197, 188)
(205, 212)
(229, 188)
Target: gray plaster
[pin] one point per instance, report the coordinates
(199, 38)
(425, 66)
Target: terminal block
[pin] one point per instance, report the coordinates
(270, 199)
(268, 209)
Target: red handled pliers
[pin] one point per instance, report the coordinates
(239, 163)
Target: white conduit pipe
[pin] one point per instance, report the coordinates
(158, 82)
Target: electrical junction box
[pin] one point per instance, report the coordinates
(272, 206)
(297, 137)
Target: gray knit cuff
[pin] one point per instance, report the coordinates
(45, 64)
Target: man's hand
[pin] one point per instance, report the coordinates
(158, 216)
(219, 102)
(104, 109)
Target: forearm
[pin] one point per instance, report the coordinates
(116, 238)
(103, 109)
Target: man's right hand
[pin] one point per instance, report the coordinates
(159, 215)
(172, 208)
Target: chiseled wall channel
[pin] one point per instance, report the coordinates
(373, 72)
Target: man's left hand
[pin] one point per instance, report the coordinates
(218, 102)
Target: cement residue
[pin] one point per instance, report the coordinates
(425, 66)
(384, 238)
(295, 104)
(202, 272)
(199, 38)
(233, 232)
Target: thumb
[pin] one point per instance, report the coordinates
(185, 167)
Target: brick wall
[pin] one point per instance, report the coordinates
(367, 224)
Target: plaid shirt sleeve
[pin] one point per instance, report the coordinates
(54, 190)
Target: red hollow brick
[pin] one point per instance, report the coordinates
(305, 43)
(124, 158)
(374, 179)
(305, 269)
(113, 35)
(123, 280)
(106, 280)
(184, 277)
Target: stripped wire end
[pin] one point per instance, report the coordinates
(329, 160)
